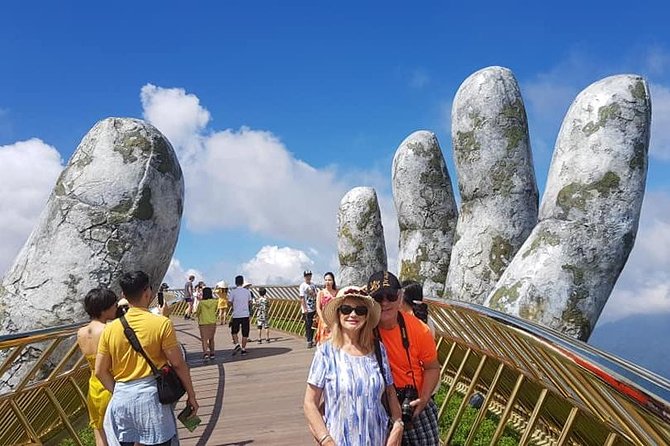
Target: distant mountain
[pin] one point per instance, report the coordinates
(642, 339)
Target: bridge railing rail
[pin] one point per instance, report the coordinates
(547, 388)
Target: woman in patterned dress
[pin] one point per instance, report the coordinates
(346, 373)
(328, 292)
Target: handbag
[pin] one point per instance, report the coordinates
(170, 387)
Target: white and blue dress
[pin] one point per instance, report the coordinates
(352, 388)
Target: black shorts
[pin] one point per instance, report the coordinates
(237, 322)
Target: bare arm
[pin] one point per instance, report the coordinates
(431, 376)
(319, 310)
(103, 371)
(177, 361)
(395, 436)
(314, 419)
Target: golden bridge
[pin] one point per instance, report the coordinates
(503, 381)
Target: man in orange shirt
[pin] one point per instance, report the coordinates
(412, 354)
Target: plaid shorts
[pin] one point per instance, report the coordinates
(424, 431)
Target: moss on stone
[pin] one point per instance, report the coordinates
(116, 249)
(504, 296)
(59, 189)
(167, 162)
(575, 195)
(577, 273)
(544, 237)
(605, 113)
(638, 91)
(83, 159)
(500, 255)
(351, 257)
(514, 127)
(411, 269)
(144, 210)
(131, 142)
(467, 147)
(573, 318)
(502, 176)
(123, 207)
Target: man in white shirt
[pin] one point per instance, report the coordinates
(308, 306)
(239, 297)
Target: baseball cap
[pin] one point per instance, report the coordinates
(382, 281)
(307, 273)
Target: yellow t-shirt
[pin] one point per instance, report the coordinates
(155, 333)
(206, 311)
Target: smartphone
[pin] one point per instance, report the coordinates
(189, 422)
(161, 299)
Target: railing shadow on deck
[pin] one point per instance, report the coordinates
(546, 387)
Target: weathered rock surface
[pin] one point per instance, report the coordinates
(116, 207)
(495, 179)
(424, 201)
(566, 269)
(360, 237)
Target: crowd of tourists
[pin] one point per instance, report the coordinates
(371, 380)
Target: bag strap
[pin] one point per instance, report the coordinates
(135, 343)
(378, 355)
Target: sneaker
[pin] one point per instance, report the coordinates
(236, 349)
(267, 340)
(310, 344)
(244, 352)
(260, 341)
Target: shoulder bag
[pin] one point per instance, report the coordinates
(170, 387)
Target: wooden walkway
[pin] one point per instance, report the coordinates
(252, 400)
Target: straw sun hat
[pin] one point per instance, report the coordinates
(374, 310)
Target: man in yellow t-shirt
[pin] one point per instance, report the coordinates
(135, 415)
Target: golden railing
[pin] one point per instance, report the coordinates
(547, 388)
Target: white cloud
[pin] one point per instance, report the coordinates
(176, 276)
(644, 285)
(177, 114)
(23, 193)
(247, 178)
(277, 266)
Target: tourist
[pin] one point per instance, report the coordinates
(122, 307)
(347, 373)
(221, 291)
(414, 364)
(188, 296)
(307, 293)
(412, 302)
(197, 294)
(100, 305)
(206, 315)
(240, 297)
(134, 414)
(328, 292)
(262, 313)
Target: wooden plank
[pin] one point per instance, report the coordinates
(252, 400)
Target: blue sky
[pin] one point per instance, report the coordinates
(300, 101)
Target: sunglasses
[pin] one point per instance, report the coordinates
(391, 297)
(360, 310)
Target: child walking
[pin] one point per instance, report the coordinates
(206, 315)
(262, 311)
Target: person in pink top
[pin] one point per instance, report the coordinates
(328, 292)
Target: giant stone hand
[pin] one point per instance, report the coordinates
(557, 268)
